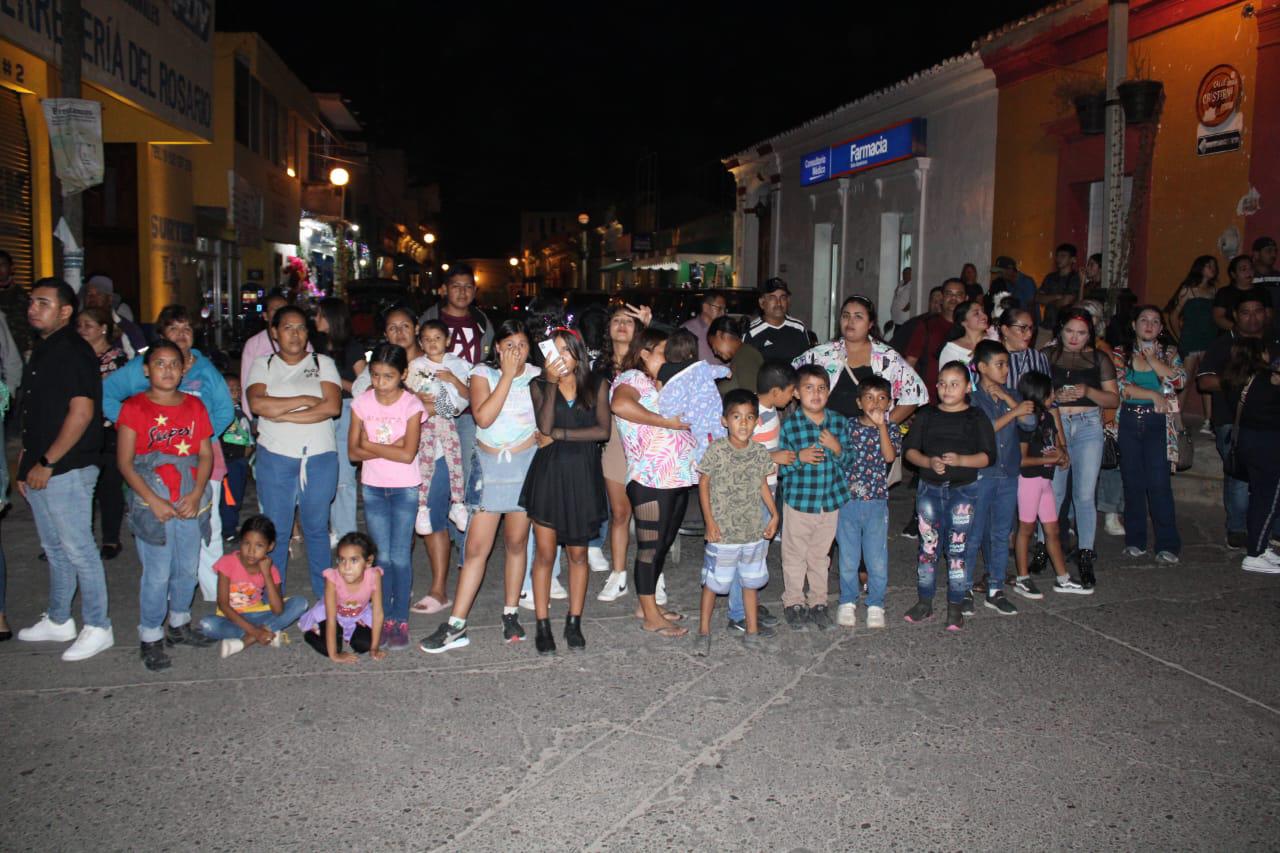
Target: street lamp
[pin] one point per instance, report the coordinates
(340, 177)
(583, 220)
(428, 238)
(515, 262)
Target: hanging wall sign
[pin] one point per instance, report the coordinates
(1218, 96)
(901, 141)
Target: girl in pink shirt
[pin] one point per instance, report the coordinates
(386, 422)
(352, 604)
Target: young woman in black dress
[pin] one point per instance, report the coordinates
(564, 490)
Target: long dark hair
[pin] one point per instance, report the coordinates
(506, 329)
(957, 320)
(645, 340)
(858, 298)
(1036, 387)
(1074, 313)
(1130, 335)
(607, 355)
(582, 371)
(338, 316)
(1193, 278)
(392, 355)
(1245, 362)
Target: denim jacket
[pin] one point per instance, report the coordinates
(1008, 453)
(142, 521)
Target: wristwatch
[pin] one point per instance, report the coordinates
(44, 461)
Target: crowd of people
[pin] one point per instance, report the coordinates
(1018, 414)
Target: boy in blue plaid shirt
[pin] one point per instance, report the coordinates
(814, 489)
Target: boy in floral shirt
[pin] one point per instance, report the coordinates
(871, 443)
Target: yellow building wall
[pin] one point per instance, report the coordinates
(1193, 198)
(33, 86)
(166, 228)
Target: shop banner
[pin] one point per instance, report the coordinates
(901, 141)
(75, 134)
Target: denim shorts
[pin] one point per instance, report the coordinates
(721, 563)
(497, 479)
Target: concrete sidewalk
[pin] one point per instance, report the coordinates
(1144, 716)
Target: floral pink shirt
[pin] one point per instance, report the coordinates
(656, 457)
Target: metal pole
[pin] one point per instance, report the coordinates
(1113, 182)
(72, 50)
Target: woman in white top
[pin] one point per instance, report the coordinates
(971, 325)
(296, 395)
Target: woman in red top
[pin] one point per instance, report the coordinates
(165, 454)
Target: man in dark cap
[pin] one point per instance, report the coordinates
(1021, 285)
(776, 334)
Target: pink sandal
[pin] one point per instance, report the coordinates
(430, 604)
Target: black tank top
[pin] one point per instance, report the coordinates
(1088, 376)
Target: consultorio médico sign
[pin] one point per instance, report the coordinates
(900, 141)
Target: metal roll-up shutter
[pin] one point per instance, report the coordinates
(15, 186)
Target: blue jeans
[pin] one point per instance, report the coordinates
(997, 509)
(1235, 493)
(1144, 468)
(389, 514)
(236, 480)
(281, 490)
(222, 628)
(342, 515)
(168, 578)
(862, 534)
(64, 521)
(1110, 491)
(1084, 444)
(941, 505)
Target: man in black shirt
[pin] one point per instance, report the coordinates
(57, 470)
(1266, 276)
(777, 334)
(1240, 272)
(1060, 288)
(1250, 319)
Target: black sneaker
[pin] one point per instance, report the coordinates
(819, 617)
(955, 619)
(445, 637)
(966, 606)
(512, 632)
(186, 636)
(1039, 559)
(764, 618)
(921, 611)
(912, 530)
(154, 657)
(795, 616)
(1237, 539)
(997, 602)
(1027, 588)
(1084, 561)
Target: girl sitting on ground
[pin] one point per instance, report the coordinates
(352, 604)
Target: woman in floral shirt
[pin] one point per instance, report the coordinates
(660, 470)
(859, 353)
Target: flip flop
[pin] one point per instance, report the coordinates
(430, 604)
(671, 632)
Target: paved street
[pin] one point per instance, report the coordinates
(1145, 716)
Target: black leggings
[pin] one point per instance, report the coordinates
(361, 639)
(658, 514)
(110, 495)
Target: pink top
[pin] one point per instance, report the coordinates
(246, 589)
(353, 600)
(386, 425)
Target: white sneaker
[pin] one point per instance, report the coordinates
(526, 600)
(91, 641)
(1068, 584)
(48, 631)
(847, 615)
(599, 562)
(875, 617)
(1133, 551)
(459, 516)
(422, 521)
(1271, 557)
(1112, 524)
(1260, 565)
(227, 648)
(558, 592)
(614, 588)
(660, 594)
(1167, 557)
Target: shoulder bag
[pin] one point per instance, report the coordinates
(1232, 465)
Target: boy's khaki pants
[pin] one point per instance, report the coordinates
(806, 544)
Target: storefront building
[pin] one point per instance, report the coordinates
(899, 178)
(1201, 179)
(150, 66)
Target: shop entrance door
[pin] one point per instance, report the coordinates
(15, 187)
(111, 225)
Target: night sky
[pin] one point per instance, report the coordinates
(550, 107)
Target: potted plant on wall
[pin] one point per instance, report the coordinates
(1140, 96)
(1088, 97)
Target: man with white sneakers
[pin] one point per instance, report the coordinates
(57, 471)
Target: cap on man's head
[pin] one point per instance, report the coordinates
(774, 284)
(1004, 262)
(101, 284)
(1263, 243)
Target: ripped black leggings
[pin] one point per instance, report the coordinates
(658, 514)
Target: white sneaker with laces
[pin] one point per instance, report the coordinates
(875, 617)
(614, 588)
(1069, 584)
(558, 592)
(459, 516)
(1167, 557)
(847, 615)
(1133, 551)
(48, 631)
(597, 560)
(422, 521)
(660, 594)
(1112, 524)
(227, 648)
(1271, 557)
(1260, 565)
(91, 641)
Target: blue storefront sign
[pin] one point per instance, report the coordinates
(897, 142)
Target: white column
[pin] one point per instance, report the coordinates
(917, 263)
